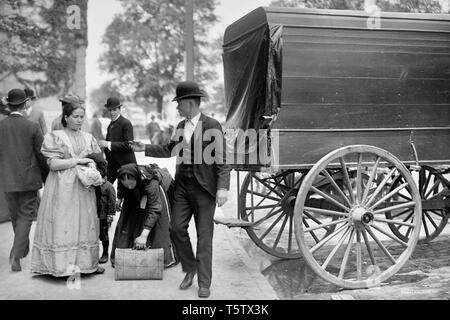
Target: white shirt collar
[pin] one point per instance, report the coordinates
(116, 118)
(17, 112)
(195, 119)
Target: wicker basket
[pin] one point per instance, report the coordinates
(139, 264)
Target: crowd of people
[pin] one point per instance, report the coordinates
(159, 132)
(78, 165)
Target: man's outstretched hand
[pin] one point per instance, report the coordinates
(221, 197)
(137, 146)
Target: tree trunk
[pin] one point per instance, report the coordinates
(159, 104)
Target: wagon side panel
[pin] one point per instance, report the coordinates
(345, 84)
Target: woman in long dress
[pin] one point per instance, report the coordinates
(67, 228)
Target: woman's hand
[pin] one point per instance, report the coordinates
(84, 161)
(119, 205)
(140, 242)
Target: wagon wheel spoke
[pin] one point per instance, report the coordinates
(396, 222)
(358, 256)
(380, 187)
(371, 179)
(336, 187)
(268, 216)
(330, 199)
(425, 227)
(262, 195)
(336, 248)
(426, 214)
(409, 216)
(388, 196)
(400, 213)
(259, 207)
(280, 183)
(322, 242)
(437, 213)
(291, 224)
(369, 248)
(325, 225)
(316, 239)
(426, 184)
(395, 207)
(432, 189)
(359, 185)
(347, 179)
(382, 247)
(389, 235)
(271, 227)
(346, 254)
(281, 231)
(325, 212)
(271, 189)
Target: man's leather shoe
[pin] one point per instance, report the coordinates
(15, 264)
(203, 292)
(103, 258)
(187, 281)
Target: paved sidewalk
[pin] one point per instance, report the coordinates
(234, 277)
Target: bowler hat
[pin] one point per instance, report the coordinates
(16, 97)
(30, 93)
(72, 99)
(113, 103)
(188, 89)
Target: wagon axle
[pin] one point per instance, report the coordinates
(360, 217)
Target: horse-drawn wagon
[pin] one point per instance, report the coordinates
(342, 122)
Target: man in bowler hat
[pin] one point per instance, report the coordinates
(199, 186)
(21, 167)
(117, 148)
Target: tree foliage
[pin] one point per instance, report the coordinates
(99, 95)
(145, 47)
(36, 39)
(423, 6)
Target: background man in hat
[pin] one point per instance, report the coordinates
(120, 132)
(21, 162)
(32, 113)
(75, 100)
(198, 185)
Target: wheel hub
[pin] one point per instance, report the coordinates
(361, 216)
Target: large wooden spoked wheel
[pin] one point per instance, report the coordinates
(268, 201)
(361, 251)
(433, 190)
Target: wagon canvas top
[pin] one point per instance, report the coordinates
(328, 78)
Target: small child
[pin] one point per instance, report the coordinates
(106, 204)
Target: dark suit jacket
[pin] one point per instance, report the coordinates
(210, 176)
(120, 132)
(22, 165)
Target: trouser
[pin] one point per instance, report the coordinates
(104, 230)
(192, 199)
(111, 173)
(22, 207)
